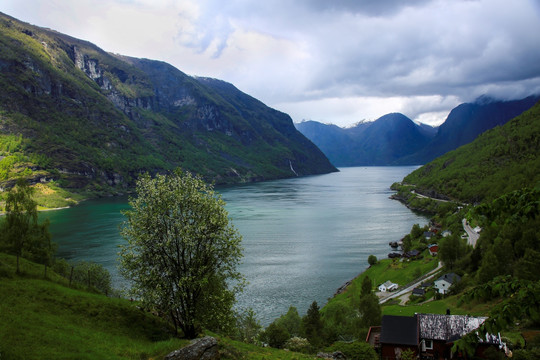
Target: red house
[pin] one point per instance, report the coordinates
(433, 249)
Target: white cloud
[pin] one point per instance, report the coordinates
(335, 62)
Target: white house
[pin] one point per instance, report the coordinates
(444, 282)
(388, 286)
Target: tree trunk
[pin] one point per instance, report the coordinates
(190, 332)
(175, 323)
(71, 276)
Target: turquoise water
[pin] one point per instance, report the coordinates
(302, 237)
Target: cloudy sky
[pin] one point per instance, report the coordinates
(335, 61)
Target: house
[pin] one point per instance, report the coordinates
(419, 291)
(444, 282)
(388, 286)
(429, 234)
(413, 254)
(430, 336)
(398, 333)
(446, 233)
(437, 334)
(433, 249)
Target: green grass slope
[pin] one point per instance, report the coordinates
(497, 162)
(46, 319)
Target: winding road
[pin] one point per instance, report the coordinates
(472, 235)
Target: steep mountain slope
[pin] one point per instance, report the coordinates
(335, 142)
(382, 142)
(394, 139)
(83, 118)
(467, 121)
(500, 160)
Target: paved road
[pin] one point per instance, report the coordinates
(427, 197)
(473, 235)
(391, 295)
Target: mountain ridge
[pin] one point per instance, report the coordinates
(407, 143)
(381, 142)
(89, 119)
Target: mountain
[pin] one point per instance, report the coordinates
(394, 139)
(382, 142)
(335, 142)
(467, 121)
(499, 161)
(76, 116)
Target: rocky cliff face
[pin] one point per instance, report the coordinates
(90, 118)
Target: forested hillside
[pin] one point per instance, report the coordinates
(497, 162)
(466, 121)
(77, 117)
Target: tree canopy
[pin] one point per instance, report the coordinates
(181, 252)
(21, 233)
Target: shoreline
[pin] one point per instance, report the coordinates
(54, 209)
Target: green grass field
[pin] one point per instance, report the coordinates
(45, 319)
(398, 272)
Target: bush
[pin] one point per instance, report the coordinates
(248, 327)
(357, 350)
(275, 335)
(372, 260)
(62, 267)
(298, 344)
(93, 275)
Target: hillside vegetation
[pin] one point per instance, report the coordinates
(44, 318)
(497, 162)
(75, 117)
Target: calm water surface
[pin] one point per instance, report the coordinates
(302, 237)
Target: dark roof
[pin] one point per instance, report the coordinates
(402, 330)
(450, 277)
(413, 253)
(418, 291)
(447, 327)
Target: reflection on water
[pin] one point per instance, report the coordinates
(302, 237)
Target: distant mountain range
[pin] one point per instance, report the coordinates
(75, 115)
(394, 139)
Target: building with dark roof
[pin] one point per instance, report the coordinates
(444, 282)
(430, 336)
(398, 333)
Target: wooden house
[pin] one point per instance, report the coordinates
(433, 249)
(431, 336)
(444, 282)
(398, 333)
(388, 286)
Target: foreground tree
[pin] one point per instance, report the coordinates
(22, 235)
(181, 252)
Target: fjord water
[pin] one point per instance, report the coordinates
(302, 237)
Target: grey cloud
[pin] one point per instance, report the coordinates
(367, 7)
